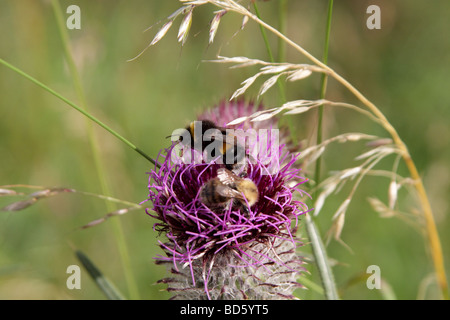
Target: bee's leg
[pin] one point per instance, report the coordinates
(238, 204)
(242, 205)
(246, 210)
(229, 205)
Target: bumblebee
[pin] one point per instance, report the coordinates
(229, 189)
(206, 136)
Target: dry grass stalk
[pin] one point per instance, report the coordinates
(370, 110)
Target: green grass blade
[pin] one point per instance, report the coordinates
(321, 260)
(319, 250)
(323, 88)
(309, 284)
(109, 290)
(99, 165)
(281, 54)
(271, 57)
(76, 107)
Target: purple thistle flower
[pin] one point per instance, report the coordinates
(231, 251)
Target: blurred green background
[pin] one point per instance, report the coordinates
(403, 68)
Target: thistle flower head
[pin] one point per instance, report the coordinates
(232, 250)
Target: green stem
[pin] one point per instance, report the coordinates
(269, 52)
(281, 56)
(83, 112)
(264, 35)
(323, 88)
(117, 226)
(282, 10)
(318, 249)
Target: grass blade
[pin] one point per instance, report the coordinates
(318, 247)
(74, 106)
(95, 148)
(321, 259)
(110, 291)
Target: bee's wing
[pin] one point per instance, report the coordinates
(227, 177)
(228, 192)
